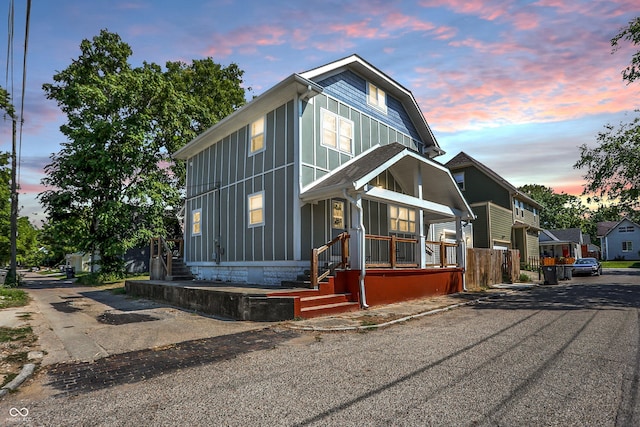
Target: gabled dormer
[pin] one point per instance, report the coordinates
(354, 82)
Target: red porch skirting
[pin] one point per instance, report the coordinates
(384, 286)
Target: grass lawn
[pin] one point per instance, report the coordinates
(88, 279)
(12, 297)
(620, 264)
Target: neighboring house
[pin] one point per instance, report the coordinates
(342, 147)
(506, 217)
(589, 250)
(136, 260)
(565, 243)
(619, 240)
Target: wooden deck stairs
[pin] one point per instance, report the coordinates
(326, 299)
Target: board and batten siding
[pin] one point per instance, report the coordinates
(219, 180)
(318, 160)
(351, 89)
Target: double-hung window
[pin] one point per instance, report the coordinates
(376, 97)
(257, 136)
(402, 219)
(627, 246)
(256, 209)
(196, 222)
(337, 132)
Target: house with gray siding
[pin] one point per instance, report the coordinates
(619, 240)
(341, 148)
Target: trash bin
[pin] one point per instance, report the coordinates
(71, 272)
(550, 275)
(560, 272)
(568, 271)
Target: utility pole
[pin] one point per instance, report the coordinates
(12, 275)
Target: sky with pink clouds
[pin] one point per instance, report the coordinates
(518, 85)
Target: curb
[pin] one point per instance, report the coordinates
(25, 373)
(391, 322)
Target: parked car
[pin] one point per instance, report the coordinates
(589, 266)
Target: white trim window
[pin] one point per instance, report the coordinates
(376, 97)
(196, 222)
(459, 178)
(627, 246)
(402, 219)
(337, 214)
(256, 143)
(337, 132)
(255, 203)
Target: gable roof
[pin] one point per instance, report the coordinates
(462, 160)
(443, 201)
(606, 227)
(573, 235)
(287, 89)
(305, 85)
(370, 73)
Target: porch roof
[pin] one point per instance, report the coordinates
(441, 198)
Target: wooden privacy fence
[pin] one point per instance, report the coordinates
(486, 267)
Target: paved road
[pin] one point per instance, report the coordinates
(557, 355)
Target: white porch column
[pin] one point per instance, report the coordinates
(357, 243)
(422, 254)
(357, 236)
(460, 249)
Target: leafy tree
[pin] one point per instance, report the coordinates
(5, 209)
(5, 188)
(27, 243)
(114, 178)
(613, 167)
(630, 33)
(558, 210)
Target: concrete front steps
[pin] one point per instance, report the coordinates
(323, 301)
(179, 271)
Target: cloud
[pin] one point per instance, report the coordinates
(246, 40)
(488, 10)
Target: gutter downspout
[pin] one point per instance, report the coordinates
(361, 245)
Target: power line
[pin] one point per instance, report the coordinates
(9, 64)
(24, 83)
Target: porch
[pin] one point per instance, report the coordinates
(392, 275)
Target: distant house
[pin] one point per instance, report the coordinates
(506, 217)
(565, 243)
(619, 240)
(339, 150)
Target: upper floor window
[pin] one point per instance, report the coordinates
(376, 97)
(519, 208)
(628, 229)
(256, 209)
(196, 222)
(257, 136)
(337, 132)
(459, 177)
(402, 219)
